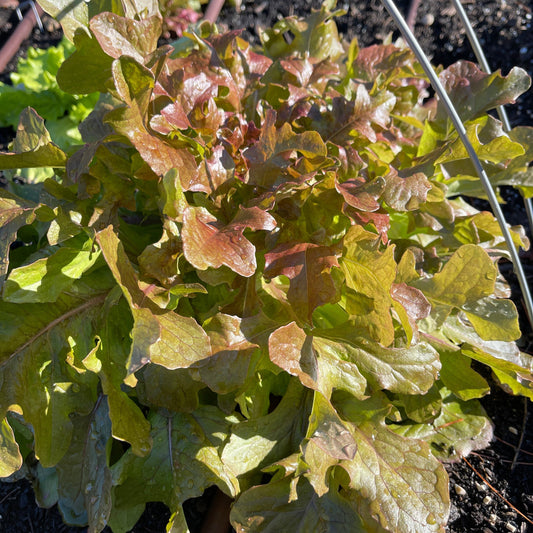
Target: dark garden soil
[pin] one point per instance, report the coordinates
(493, 491)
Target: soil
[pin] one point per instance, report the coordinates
(491, 490)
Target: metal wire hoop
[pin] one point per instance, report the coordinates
(461, 131)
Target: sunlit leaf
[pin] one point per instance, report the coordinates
(460, 428)
(231, 358)
(409, 370)
(121, 36)
(260, 442)
(472, 91)
(320, 369)
(163, 337)
(369, 276)
(33, 147)
(36, 356)
(315, 36)
(14, 213)
(45, 279)
(308, 267)
(468, 276)
(271, 154)
(209, 243)
(184, 461)
(456, 373)
(10, 457)
(273, 507)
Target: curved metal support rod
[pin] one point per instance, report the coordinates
(33, 7)
(482, 60)
(480, 55)
(456, 120)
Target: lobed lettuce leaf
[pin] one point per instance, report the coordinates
(255, 273)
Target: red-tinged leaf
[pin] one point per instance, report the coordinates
(411, 306)
(349, 118)
(405, 194)
(224, 44)
(206, 118)
(379, 219)
(196, 78)
(135, 83)
(291, 349)
(220, 168)
(175, 114)
(177, 23)
(308, 71)
(374, 60)
(316, 366)
(371, 110)
(14, 213)
(172, 117)
(257, 63)
(360, 194)
(412, 299)
(245, 65)
(397, 482)
(231, 352)
(270, 156)
(472, 91)
(308, 267)
(327, 431)
(120, 36)
(209, 243)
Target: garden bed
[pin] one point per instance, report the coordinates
(505, 29)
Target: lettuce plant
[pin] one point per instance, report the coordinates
(257, 274)
(34, 84)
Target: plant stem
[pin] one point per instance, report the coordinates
(213, 10)
(411, 14)
(21, 33)
(217, 519)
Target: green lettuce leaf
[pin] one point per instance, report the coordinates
(184, 461)
(261, 441)
(461, 428)
(10, 457)
(42, 353)
(45, 279)
(292, 504)
(160, 336)
(33, 146)
(15, 213)
(83, 473)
